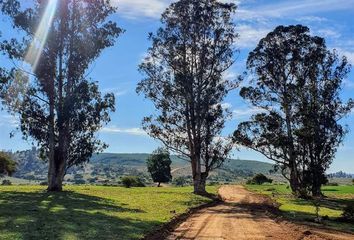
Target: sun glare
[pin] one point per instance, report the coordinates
(34, 53)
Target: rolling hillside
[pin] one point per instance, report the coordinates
(109, 167)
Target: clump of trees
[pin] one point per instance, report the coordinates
(185, 80)
(59, 106)
(7, 165)
(159, 166)
(296, 85)
(132, 181)
(259, 179)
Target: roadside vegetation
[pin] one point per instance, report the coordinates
(331, 207)
(91, 212)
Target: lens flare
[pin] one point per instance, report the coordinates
(36, 48)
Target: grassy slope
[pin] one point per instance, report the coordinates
(304, 210)
(90, 212)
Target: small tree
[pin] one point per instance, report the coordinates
(132, 181)
(180, 181)
(159, 166)
(259, 179)
(7, 165)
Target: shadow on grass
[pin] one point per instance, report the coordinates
(327, 202)
(66, 215)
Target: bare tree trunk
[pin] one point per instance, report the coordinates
(56, 173)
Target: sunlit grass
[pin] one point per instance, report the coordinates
(90, 212)
(305, 210)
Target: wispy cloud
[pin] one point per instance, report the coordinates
(251, 35)
(129, 131)
(141, 8)
(296, 8)
(134, 9)
(246, 112)
(8, 120)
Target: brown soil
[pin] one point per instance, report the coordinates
(246, 215)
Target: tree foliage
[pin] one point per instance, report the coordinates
(7, 165)
(159, 166)
(297, 83)
(184, 79)
(59, 106)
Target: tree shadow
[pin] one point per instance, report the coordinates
(41, 215)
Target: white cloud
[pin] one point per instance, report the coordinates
(129, 131)
(116, 91)
(250, 35)
(226, 105)
(246, 113)
(295, 8)
(8, 120)
(147, 8)
(141, 8)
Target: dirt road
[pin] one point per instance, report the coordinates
(243, 215)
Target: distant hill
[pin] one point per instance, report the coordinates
(109, 167)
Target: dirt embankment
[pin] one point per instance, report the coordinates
(245, 215)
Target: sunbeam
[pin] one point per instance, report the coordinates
(35, 50)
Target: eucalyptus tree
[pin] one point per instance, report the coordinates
(59, 106)
(297, 83)
(184, 72)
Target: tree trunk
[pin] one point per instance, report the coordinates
(316, 185)
(158, 185)
(56, 173)
(199, 183)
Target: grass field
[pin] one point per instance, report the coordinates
(90, 212)
(337, 197)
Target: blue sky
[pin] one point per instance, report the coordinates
(116, 70)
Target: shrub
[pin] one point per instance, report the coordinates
(79, 181)
(44, 183)
(332, 184)
(259, 179)
(353, 181)
(132, 181)
(179, 181)
(6, 182)
(348, 213)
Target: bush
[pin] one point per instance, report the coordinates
(6, 182)
(179, 181)
(43, 183)
(79, 181)
(259, 179)
(332, 184)
(132, 181)
(348, 213)
(353, 181)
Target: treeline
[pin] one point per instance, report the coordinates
(296, 84)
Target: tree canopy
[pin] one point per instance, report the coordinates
(159, 166)
(7, 165)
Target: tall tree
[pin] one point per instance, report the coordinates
(159, 166)
(297, 85)
(319, 111)
(60, 107)
(184, 79)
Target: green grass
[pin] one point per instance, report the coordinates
(337, 197)
(90, 212)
